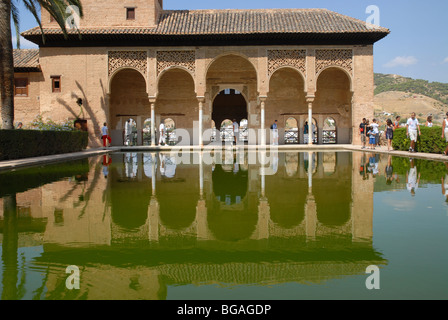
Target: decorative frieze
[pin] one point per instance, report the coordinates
(132, 59)
(169, 59)
(334, 58)
(286, 58)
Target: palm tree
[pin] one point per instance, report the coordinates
(8, 10)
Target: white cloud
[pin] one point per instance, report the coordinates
(446, 60)
(401, 62)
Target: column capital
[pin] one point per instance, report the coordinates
(263, 98)
(310, 98)
(152, 99)
(201, 99)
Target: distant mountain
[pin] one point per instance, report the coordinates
(391, 82)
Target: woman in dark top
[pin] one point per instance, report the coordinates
(389, 134)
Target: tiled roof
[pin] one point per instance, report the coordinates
(26, 59)
(258, 21)
(219, 23)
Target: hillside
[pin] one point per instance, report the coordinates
(389, 82)
(398, 95)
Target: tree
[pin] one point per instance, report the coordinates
(8, 10)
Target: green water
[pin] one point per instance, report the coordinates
(152, 226)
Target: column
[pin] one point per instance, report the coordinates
(310, 100)
(263, 119)
(201, 120)
(152, 100)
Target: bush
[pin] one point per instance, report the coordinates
(429, 142)
(19, 144)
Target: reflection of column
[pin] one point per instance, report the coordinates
(310, 100)
(154, 173)
(201, 175)
(263, 120)
(201, 121)
(310, 216)
(201, 220)
(310, 171)
(154, 219)
(153, 121)
(264, 216)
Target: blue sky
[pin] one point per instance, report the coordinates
(417, 46)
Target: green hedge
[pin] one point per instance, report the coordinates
(19, 144)
(429, 142)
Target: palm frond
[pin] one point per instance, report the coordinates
(16, 21)
(56, 8)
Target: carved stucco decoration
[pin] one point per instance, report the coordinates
(132, 59)
(286, 58)
(169, 59)
(334, 58)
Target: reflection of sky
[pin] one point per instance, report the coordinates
(412, 232)
(32, 277)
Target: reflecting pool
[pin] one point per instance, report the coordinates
(237, 225)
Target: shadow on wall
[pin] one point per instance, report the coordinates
(94, 124)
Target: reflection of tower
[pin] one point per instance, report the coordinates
(362, 203)
(154, 208)
(310, 206)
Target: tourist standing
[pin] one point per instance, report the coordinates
(162, 134)
(274, 133)
(413, 131)
(306, 132)
(376, 131)
(105, 135)
(429, 122)
(397, 122)
(389, 133)
(445, 132)
(363, 132)
(236, 131)
(371, 135)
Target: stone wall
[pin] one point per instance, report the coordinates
(108, 13)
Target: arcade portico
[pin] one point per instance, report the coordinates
(199, 69)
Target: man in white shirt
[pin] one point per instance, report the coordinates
(412, 181)
(236, 131)
(162, 132)
(376, 131)
(413, 131)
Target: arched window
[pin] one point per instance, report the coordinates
(329, 135)
(170, 129)
(291, 131)
(244, 130)
(130, 132)
(227, 130)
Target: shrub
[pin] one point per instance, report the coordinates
(429, 142)
(19, 144)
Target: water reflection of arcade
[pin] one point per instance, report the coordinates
(208, 223)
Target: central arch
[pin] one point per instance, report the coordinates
(229, 104)
(232, 85)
